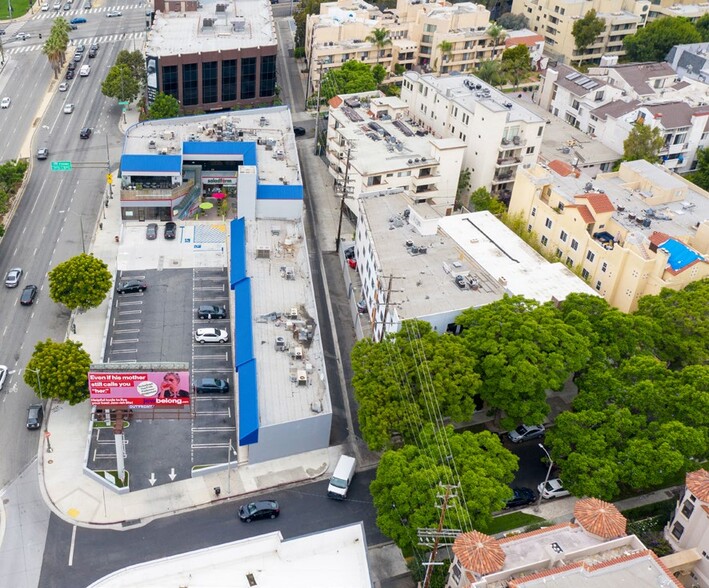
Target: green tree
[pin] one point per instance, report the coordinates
(62, 369)
(585, 31)
(516, 63)
(380, 39)
(497, 35)
(522, 349)
(120, 83)
(446, 49)
(350, 78)
(490, 71)
(463, 187)
(300, 16)
(80, 282)
(643, 142)
(654, 40)
(56, 44)
(164, 106)
(481, 199)
(512, 22)
(379, 72)
(700, 176)
(408, 482)
(702, 26)
(135, 61)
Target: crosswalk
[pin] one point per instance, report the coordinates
(79, 11)
(100, 39)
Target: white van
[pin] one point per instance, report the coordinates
(85, 70)
(341, 478)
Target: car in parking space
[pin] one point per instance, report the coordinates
(261, 509)
(78, 57)
(77, 20)
(151, 232)
(554, 488)
(63, 87)
(521, 497)
(211, 386)
(3, 375)
(69, 74)
(68, 108)
(211, 311)
(211, 336)
(298, 131)
(5, 102)
(526, 433)
(130, 286)
(85, 133)
(28, 295)
(170, 230)
(42, 153)
(113, 13)
(35, 416)
(13, 277)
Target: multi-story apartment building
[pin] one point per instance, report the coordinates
(501, 134)
(555, 20)
(690, 61)
(431, 35)
(630, 233)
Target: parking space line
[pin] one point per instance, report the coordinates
(211, 446)
(128, 322)
(119, 351)
(121, 341)
(126, 331)
(129, 303)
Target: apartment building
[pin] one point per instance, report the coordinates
(629, 233)
(690, 61)
(431, 35)
(500, 133)
(555, 20)
(692, 12)
(373, 147)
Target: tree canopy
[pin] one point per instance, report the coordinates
(516, 63)
(490, 71)
(481, 199)
(586, 29)
(512, 22)
(655, 39)
(700, 176)
(380, 39)
(643, 142)
(56, 44)
(164, 106)
(59, 371)
(121, 84)
(350, 78)
(80, 282)
(300, 16)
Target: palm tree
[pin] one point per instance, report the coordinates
(380, 38)
(498, 36)
(55, 46)
(490, 71)
(446, 48)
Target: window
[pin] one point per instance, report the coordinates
(189, 84)
(563, 236)
(604, 267)
(530, 150)
(585, 274)
(545, 241)
(267, 87)
(248, 78)
(540, 130)
(534, 211)
(228, 80)
(590, 256)
(677, 530)
(569, 262)
(209, 82)
(575, 105)
(687, 508)
(560, 206)
(559, 253)
(548, 223)
(598, 285)
(169, 81)
(574, 244)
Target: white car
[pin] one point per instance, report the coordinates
(113, 13)
(5, 103)
(553, 489)
(68, 108)
(45, 7)
(3, 375)
(211, 336)
(526, 433)
(85, 70)
(57, 6)
(63, 87)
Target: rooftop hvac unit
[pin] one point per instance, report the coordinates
(302, 378)
(280, 344)
(207, 23)
(238, 24)
(220, 8)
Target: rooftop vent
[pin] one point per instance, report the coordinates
(238, 24)
(220, 8)
(207, 22)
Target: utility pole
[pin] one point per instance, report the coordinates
(309, 57)
(344, 193)
(439, 536)
(317, 116)
(387, 303)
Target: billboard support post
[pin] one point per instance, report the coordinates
(120, 460)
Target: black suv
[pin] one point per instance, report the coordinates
(211, 386)
(132, 286)
(28, 295)
(85, 133)
(35, 416)
(210, 311)
(170, 230)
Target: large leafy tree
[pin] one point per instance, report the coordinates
(585, 31)
(522, 350)
(516, 63)
(490, 71)
(300, 16)
(410, 481)
(350, 78)
(164, 106)
(643, 142)
(481, 199)
(700, 176)
(135, 61)
(59, 371)
(412, 377)
(512, 22)
(702, 26)
(120, 83)
(654, 40)
(380, 39)
(80, 282)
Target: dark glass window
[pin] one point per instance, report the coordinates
(169, 81)
(228, 80)
(189, 84)
(677, 530)
(248, 78)
(209, 82)
(268, 76)
(687, 508)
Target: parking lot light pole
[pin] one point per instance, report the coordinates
(551, 463)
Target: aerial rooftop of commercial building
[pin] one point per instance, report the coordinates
(217, 25)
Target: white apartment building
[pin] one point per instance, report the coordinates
(374, 147)
(500, 133)
(690, 61)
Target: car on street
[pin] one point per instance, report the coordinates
(69, 74)
(261, 509)
(211, 386)
(22, 36)
(28, 295)
(151, 232)
(45, 6)
(71, 66)
(3, 375)
(80, 48)
(13, 277)
(5, 102)
(92, 53)
(35, 416)
(211, 336)
(210, 311)
(522, 497)
(130, 286)
(77, 20)
(42, 153)
(63, 87)
(85, 70)
(94, 46)
(554, 488)
(170, 230)
(113, 13)
(57, 6)
(298, 131)
(74, 27)
(78, 57)
(87, 5)
(67, 6)
(526, 433)
(68, 108)
(85, 133)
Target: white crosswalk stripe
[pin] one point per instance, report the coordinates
(52, 14)
(101, 39)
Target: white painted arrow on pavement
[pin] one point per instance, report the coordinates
(152, 479)
(172, 474)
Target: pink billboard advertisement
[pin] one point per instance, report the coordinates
(139, 388)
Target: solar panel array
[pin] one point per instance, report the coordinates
(583, 81)
(352, 114)
(403, 128)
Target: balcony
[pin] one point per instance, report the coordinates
(513, 143)
(503, 177)
(508, 161)
(424, 181)
(159, 192)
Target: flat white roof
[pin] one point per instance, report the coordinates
(291, 380)
(510, 260)
(337, 557)
(240, 25)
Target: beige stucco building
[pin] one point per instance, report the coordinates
(629, 233)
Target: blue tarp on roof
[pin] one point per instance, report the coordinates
(279, 192)
(680, 255)
(246, 149)
(238, 251)
(248, 404)
(151, 163)
(243, 323)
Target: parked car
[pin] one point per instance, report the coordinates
(63, 87)
(3, 375)
(151, 232)
(554, 489)
(130, 286)
(77, 57)
(71, 66)
(210, 311)
(13, 277)
(69, 74)
(211, 336)
(35, 416)
(85, 133)
(77, 20)
(262, 509)
(42, 153)
(5, 102)
(28, 295)
(526, 433)
(212, 386)
(170, 230)
(522, 497)
(68, 108)
(113, 13)
(80, 48)
(298, 131)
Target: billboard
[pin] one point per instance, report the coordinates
(151, 69)
(139, 388)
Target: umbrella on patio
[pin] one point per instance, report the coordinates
(218, 195)
(206, 205)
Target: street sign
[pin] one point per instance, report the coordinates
(61, 166)
(109, 178)
(123, 103)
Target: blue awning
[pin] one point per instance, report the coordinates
(151, 164)
(248, 404)
(279, 192)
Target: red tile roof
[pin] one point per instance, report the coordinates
(658, 238)
(600, 203)
(479, 553)
(562, 168)
(600, 518)
(698, 484)
(528, 40)
(335, 101)
(584, 212)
